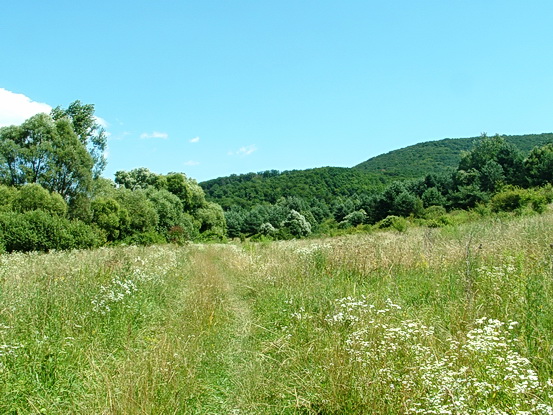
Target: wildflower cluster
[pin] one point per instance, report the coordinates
(115, 292)
(301, 314)
(495, 278)
(481, 373)
(350, 310)
(150, 268)
(484, 374)
(312, 248)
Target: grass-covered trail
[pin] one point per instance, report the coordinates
(456, 320)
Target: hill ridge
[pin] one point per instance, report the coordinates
(327, 183)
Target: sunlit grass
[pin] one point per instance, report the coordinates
(452, 320)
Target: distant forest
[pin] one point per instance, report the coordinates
(449, 174)
(436, 157)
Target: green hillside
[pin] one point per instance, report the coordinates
(327, 183)
(436, 156)
(323, 183)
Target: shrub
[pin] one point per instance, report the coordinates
(40, 231)
(396, 222)
(145, 239)
(516, 199)
(296, 224)
(34, 197)
(509, 200)
(356, 218)
(267, 229)
(177, 235)
(434, 212)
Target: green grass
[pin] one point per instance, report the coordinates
(448, 320)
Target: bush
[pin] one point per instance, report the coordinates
(145, 239)
(39, 231)
(177, 235)
(396, 222)
(509, 200)
(260, 238)
(356, 218)
(34, 197)
(296, 224)
(434, 212)
(267, 229)
(516, 199)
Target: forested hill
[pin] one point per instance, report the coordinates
(328, 183)
(325, 184)
(437, 156)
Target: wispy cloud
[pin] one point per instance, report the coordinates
(194, 140)
(16, 108)
(191, 163)
(243, 151)
(101, 122)
(155, 134)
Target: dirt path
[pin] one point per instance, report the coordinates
(227, 324)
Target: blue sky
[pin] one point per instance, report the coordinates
(212, 88)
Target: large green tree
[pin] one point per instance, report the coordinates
(539, 165)
(88, 129)
(46, 151)
(497, 162)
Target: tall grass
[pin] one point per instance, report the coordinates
(455, 320)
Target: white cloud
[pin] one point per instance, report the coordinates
(16, 108)
(243, 151)
(155, 134)
(191, 163)
(103, 123)
(194, 140)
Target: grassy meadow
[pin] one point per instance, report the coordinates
(454, 320)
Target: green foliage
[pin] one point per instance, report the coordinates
(434, 212)
(35, 197)
(516, 199)
(539, 166)
(433, 197)
(267, 229)
(8, 197)
(142, 212)
(437, 157)
(168, 208)
(395, 222)
(234, 219)
(144, 239)
(190, 227)
(212, 219)
(40, 231)
(324, 184)
(108, 215)
(90, 133)
(356, 218)
(495, 161)
(140, 178)
(296, 224)
(46, 151)
(187, 190)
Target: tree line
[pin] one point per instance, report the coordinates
(52, 195)
(494, 173)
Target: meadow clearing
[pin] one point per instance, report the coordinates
(454, 320)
